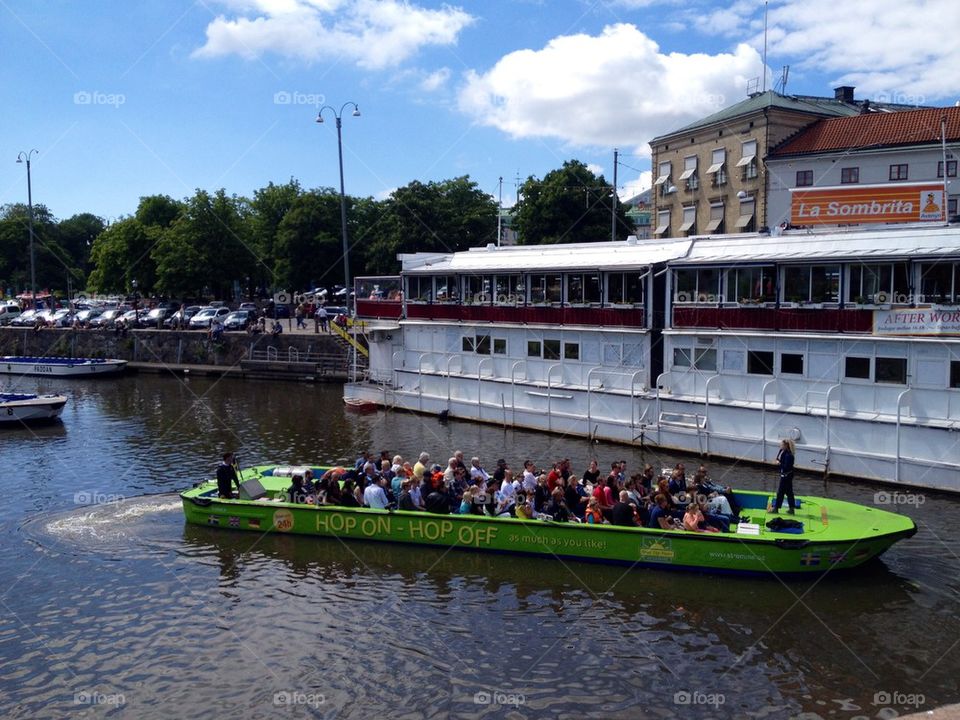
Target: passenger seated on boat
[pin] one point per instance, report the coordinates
(593, 515)
(541, 494)
(591, 474)
(297, 493)
(660, 517)
(438, 501)
(525, 511)
(694, 521)
(329, 489)
(507, 496)
(603, 494)
(529, 481)
(557, 507)
(623, 511)
(575, 495)
(406, 501)
(648, 478)
(420, 468)
(374, 495)
(678, 482)
(348, 495)
(477, 472)
(466, 502)
(711, 501)
(227, 477)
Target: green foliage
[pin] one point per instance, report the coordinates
(569, 205)
(122, 254)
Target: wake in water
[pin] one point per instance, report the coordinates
(114, 527)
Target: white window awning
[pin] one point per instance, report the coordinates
(715, 168)
(687, 226)
(744, 220)
(661, 180)
(746, 160)
(661, 229)
(687, 174)
(714, 224)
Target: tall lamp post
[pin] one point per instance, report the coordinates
(25, 157)
(343, 197)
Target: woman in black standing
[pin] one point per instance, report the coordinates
(785, 463)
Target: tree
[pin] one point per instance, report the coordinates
(445, 216)
(77, 234)
(206, 249)
(52, 262)
(308, 247)
(569, 205)
(159, 210)
(268, 208)
(121, 254)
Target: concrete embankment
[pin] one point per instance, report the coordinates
(288, 356)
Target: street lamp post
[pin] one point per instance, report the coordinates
(343, 197)
(25, 157)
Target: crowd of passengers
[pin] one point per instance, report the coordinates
(666, 501)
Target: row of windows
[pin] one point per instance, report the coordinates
(534, 289)
(717, 170)
(615, 354)
(897, 171)
(716, 222)
(877, 283)
(892, 370)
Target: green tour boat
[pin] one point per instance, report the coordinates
(834, 534)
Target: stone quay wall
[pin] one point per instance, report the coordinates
(171, 347)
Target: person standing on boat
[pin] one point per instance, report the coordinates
(785, 463)
(374, 496)
(227, 476)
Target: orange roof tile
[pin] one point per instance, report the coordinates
(876, 129)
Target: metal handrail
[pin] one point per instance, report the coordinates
(550, 394)
(763, 419)
(896, 475)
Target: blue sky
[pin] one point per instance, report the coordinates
(124, 99)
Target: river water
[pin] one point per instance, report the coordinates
(113, 607)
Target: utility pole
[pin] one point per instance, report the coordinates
(613, 205)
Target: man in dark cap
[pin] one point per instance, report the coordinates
(227, 476)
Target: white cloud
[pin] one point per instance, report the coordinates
(644, 181)
(889, 49)
(595, 169)
(373, 34)
(435, 80)
(615, 89)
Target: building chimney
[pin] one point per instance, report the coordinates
(844, 93)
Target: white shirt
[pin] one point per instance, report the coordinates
(374, 497)
(478, 473)
(529, 481)
(415, 494)
(507, 491)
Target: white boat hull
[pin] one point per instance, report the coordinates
(32, 409)
(61, 367)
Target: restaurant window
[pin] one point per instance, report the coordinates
(468, 344)
(476, 289)
(681, 357)
(419, 289)
(879, 284)
(804, 178)
(760, 362)
(899, 171)
(791, 363)
(551, 349)
(752, 284)
(571, 351)
(951, 168)
(448, 288)
(663, 222)
(583, 289)
(849, 175)
(811, 283)
(508, 289)
(717, 169)
(625, 288)
(534, 348)
(701, 285)
(689, 174)
(955, 373)
(482, 344)
(890, 370)
(857, 368)
(940, 282)
(689, 225)
(545, 289)
(499, 346)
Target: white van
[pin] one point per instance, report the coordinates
(8, 311)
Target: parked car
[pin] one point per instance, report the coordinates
(25, 319)
(239, 320)
(279, 311)
(8, 312)
(248, 306)
(55, 318)
(106, 318)
(202, 320)
(87, 316)
(181, 320)
(156, 317)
